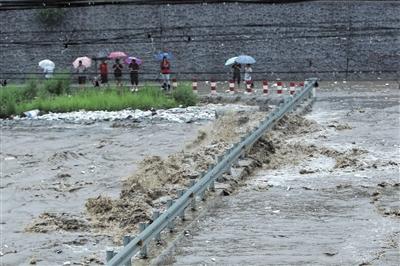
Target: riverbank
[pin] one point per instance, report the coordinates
(57, 96)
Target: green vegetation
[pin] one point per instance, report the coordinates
(50, 16)
(184, 95)
(91, 100)
(55, 95)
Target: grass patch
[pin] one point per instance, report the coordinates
(55, 95)
(184, 95)
(110, 100)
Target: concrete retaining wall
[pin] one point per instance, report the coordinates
(327, 39)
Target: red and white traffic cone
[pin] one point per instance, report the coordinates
(297, 87)
(194, 86)
(231, 86)
(174, 83)
(265, 87)
(249, 90)
(292, 88)
(279, 89)
(300, 86)
(213, 85)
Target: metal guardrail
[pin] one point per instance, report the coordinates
(188, 197)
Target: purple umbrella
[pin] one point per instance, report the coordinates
(129, 59)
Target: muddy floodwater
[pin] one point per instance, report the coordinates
(55, 166)
(72, 184)
(329, 194)
(320, 209)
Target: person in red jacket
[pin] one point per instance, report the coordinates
(165, 72)
(104, 72)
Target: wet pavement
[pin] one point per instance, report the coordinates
(313, 212)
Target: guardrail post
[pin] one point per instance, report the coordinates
(203, 195)
(143, 250)
(171, 223)
(126, 241)
(180, 194)
(157, 237)
(193, 196)
(229, 170)
(193, 204)
(212, 186)
(109, 254)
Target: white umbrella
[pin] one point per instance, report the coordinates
(230, 61)
(47, 65)
(245, 59)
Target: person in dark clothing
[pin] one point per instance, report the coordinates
(134, 71)
(104, 72)
(236, 73)
(96, 82)
(118, 72)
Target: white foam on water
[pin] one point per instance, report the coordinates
(178, 115)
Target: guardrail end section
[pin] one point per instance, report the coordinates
(109, 254)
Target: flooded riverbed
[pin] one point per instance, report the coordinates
(51, 168)
(317, 208)
(56, 167)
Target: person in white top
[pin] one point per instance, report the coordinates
(247, 74)
(81, 69)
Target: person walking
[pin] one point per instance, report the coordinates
(165, 73)
(104, 72)
(134, 71)
(247, 75)
(118, 72)
(236, 73)
(81, 70)
(48, 73)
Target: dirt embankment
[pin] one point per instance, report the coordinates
(155, 181)
(158, 179)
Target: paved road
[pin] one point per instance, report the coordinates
(344, 216)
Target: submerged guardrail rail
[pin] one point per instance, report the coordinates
(188, 197)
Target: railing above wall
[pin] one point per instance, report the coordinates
(28, 4)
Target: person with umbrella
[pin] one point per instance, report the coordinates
(134, 71)
(247, 61)
(81, 64)
(236, 73)
(165, 73)
(48, 68)
(81, 69)
(118, 72)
